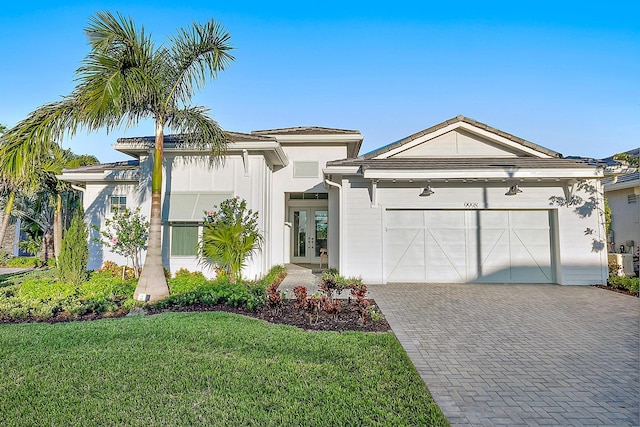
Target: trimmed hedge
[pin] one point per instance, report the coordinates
(630, 284)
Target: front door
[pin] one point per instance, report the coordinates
(309, 227)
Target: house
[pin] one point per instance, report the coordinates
(623, 194)
(457, 202)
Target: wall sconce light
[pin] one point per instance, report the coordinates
(513, 190)
(427, 191)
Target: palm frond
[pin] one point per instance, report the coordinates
(199, 129)
(38, 132)
(195, 54)
(118, 80)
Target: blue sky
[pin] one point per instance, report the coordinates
(562, 74)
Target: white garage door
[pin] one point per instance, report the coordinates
(456, 246)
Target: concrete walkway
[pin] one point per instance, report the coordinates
(521, 354)
(6, 270)
(300, 275)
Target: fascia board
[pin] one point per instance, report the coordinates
(279, 158)
(341, 170)
(470, 128)
(106, 176)
(330, 139)
(482, 173)
(621, 185)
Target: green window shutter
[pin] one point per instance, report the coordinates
(184, 240)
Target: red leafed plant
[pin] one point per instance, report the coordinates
(301, 296)
(359, 292)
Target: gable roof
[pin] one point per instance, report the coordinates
(459, 120)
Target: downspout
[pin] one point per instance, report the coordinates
(340, 226)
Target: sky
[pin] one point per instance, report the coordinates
(561, 74)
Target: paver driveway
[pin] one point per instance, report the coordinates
(521, 354)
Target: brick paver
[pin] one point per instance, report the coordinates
(521, 354)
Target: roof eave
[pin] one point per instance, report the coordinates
(483, 174)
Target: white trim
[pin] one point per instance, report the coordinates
(468, 127)
(481, 173)
(622, 185)
(326, 138)
(271, 150)
(340, 223)
(341, 170)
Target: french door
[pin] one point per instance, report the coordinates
(309, 230)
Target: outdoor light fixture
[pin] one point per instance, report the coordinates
(427, 191)
(513, 190)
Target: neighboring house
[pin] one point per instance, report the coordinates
(457, 202)
(623, 194)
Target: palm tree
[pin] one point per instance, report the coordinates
(53, 165)
(124, 79)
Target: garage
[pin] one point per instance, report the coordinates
(458, 246)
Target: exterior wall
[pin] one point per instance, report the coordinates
(96, 203)
(579, 235)
(625, 217)
(263, 188)
(197, 174)
(284, 182)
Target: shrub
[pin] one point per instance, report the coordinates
(630, 284)
(185, 281)
(359, 292)
(300, 293)
(126, 234)
(74, 253)
(237, 294)
(43, 298)
(230, 237)
(4, 257)
(115, 270)
(23, 262)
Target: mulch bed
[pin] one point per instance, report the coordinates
(287, 314)
(620, 291)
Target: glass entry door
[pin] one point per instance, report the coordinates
(309, 230)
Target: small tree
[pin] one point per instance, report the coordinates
(74, 254)
(126, 235)
(230, 237)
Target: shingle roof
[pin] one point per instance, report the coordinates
(179, 138)
(464, 119)
(629, 177)
(305, 130)
(460, 163)
(102, 167)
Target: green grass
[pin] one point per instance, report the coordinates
(205, 369)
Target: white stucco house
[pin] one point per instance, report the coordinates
(457, 202)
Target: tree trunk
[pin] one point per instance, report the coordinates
(57, 228)
(152, 282)
(47, 251)
(7, 216)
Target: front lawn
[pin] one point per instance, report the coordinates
(205, 369)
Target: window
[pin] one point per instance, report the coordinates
(308, 196)
(632, 198)
(305, 169)
(118, 203)
(184, 239)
